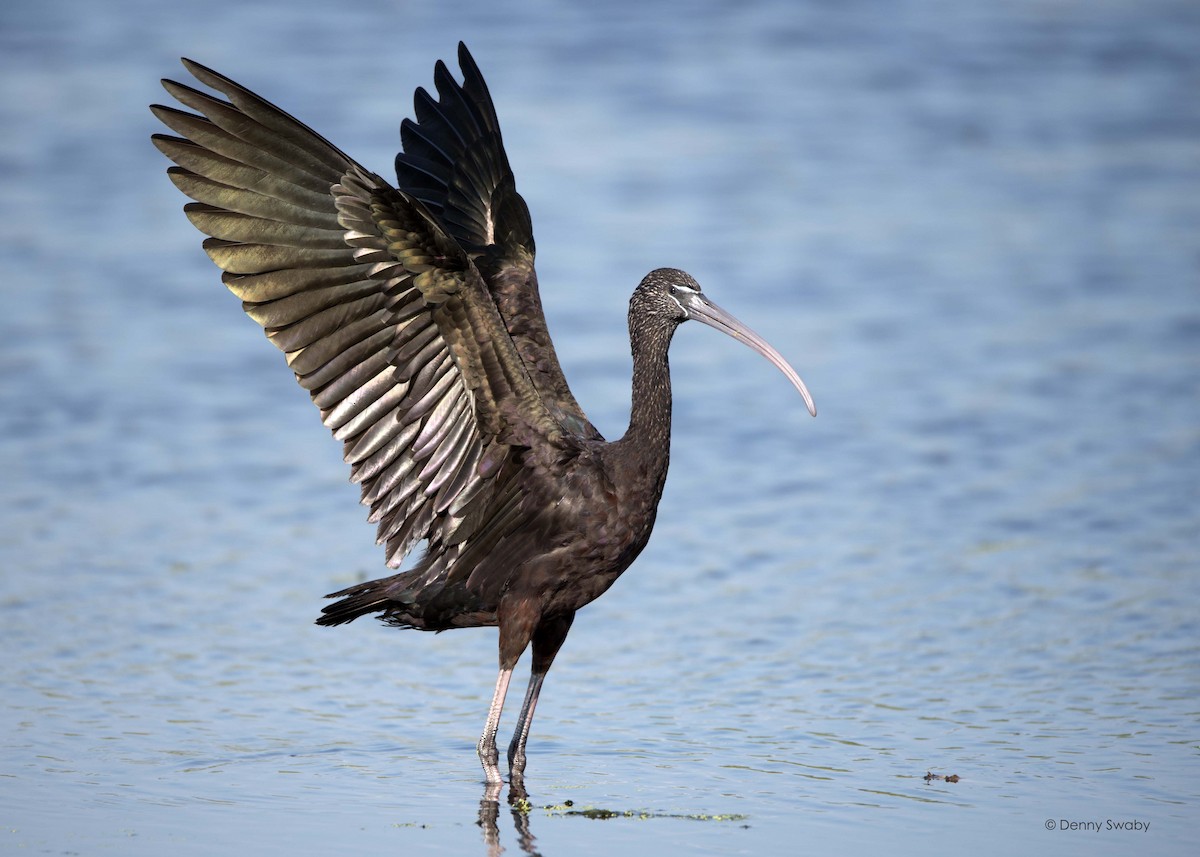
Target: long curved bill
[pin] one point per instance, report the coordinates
(702, 309)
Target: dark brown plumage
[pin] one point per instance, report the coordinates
(412, 316)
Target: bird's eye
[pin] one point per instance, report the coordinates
(673, 291)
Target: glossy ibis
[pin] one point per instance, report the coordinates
(412, 317)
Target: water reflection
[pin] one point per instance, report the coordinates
(489, 815)
(522, 810)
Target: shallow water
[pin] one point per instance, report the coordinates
(972, 227)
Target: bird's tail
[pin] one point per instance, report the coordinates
(411, 599)
(361, 599)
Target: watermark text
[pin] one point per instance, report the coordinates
(1101, 825)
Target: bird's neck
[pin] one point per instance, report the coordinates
(648, 438)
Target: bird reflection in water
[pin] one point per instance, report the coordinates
(489, 817)
(412, 316)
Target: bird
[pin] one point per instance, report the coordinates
(411, 314)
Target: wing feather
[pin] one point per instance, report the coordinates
(396, 309)
(454, 163)
(290, 221)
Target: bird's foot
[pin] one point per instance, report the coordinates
(489, 757)
(516, 758)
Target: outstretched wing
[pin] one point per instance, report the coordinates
(454, 162)
(383, 317)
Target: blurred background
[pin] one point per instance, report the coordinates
(974, 228)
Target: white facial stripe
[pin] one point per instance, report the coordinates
(678, 288)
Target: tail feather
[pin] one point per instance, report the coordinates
(362, 599)
(409, 600)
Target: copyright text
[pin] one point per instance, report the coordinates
(1102, 825)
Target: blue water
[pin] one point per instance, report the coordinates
(973, 227)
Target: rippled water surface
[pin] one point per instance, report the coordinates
(974, 229)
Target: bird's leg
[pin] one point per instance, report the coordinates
(488, 754)
(547, 640)
(516, 749)
(516, 621)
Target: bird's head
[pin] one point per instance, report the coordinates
(669, 297)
